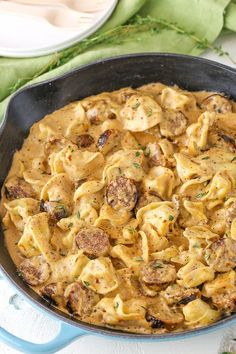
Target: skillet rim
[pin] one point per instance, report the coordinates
(41, 304)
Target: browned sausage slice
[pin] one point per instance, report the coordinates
(221, 255)
(84, 140)
(158, 272)
(18, 188)
(55, 210)
(80, 299)
(93, 241)
(173, 124)
(122, 193)
(216, 103)
(35, 270)
(108, 140)
(53, 292)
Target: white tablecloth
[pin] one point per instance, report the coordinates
(20, 318)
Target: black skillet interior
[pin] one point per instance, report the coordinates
(33, 103)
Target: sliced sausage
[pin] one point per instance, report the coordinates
(93, 241)
(99, 112)
(18, 188)
(80, 299)
(53, 293)
(230, 214)
(158, 272)
(155, 323)
(145, 199)
(84, 140)
(176, 294)
(35, 270)
(154, 155)
(55, 210)
(55, 144)
(122, 193)
(225, 301)
(162, 312)
(108, 140)
(216, 103)
(173, 124)
(221, 255)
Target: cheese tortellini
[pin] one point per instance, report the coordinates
(121, 209)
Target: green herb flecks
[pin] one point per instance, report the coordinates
(137, 154)
(206, 158)
(138, 259)
(86, 283)
(233, 159)
(116, 305)
(157, 265)
(136, 165)
(200, 195)
(78, 215)
(136, 105)
(171, 217)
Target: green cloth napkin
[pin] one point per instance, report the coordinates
(194, 16)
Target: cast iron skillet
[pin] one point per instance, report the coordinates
(33, 103)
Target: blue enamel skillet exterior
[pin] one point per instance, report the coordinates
(34, 102)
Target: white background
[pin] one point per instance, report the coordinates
(30, 324)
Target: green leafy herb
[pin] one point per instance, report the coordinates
(196, 245)
(149, 113)
(78, 215)
(86, 283)
(131, 230)
(200, 195)
(171, 217)
(157, 265)
(233, 159)
(136, 105)
(117, 36)
(116, 305)
(137, 153)
(207, 256)
(206, 158)
(138, 259)
(70, 224)
(136, 165)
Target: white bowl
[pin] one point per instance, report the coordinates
(34, 30)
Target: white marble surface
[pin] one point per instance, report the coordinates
(21, 319)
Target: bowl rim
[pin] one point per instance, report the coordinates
(63, 317)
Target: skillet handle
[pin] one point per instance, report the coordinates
(65, 336)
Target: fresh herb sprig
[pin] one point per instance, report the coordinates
(116, 36)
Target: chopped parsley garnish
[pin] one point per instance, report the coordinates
(137, 153)
(149, 113)
(207, 256)
(200, 195)
(86, 283)
(206, 158)
(78, 215)
(233, 159)
(196, 245)
(116, 305)
(131, 230)
(136, 165)
(70, 224)
(171, 218)
(157, 265)
(136, 105)
(138, 259)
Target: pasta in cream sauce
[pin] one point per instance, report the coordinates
(121, 209)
